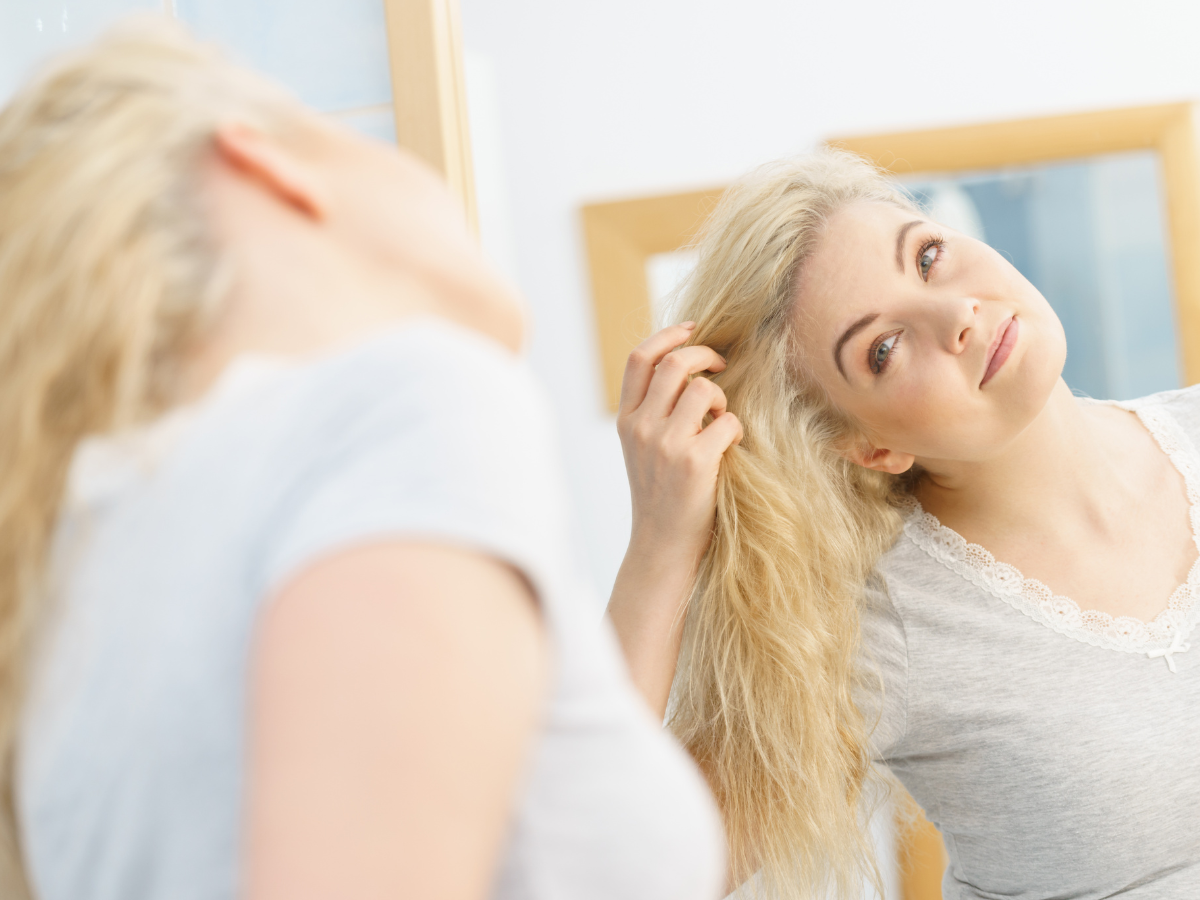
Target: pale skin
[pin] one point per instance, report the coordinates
(1076, 495)
(396, 687)
(672, 461)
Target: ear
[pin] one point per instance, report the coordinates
(881, 460)
(262, 158)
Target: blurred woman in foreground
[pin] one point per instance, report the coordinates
(283, 596)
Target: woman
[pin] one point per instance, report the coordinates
(282, 585)
(926, 552)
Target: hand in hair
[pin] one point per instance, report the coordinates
(672, 459)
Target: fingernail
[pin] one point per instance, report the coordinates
(687, 324)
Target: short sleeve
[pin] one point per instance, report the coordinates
(883, 683)
(432, 433)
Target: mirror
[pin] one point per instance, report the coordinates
(1092, 237)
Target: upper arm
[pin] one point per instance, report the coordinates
(395, 690)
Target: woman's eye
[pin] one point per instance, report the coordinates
(881, 352)
(928, 257)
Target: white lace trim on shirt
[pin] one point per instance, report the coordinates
(1162, 637)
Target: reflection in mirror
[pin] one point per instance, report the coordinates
(1091, 237)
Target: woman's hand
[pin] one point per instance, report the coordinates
(672, 460)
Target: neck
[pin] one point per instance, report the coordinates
(1058, 466)
(304, 301)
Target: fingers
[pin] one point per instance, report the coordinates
(643, 360)
(698, 399)
(671, 377)
(722, 433)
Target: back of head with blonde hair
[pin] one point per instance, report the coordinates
(763, 695)
(107, 271)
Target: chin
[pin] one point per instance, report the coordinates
(1050, 359)
(1038, 373)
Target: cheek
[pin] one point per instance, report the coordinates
(942, 418)
(922, 417)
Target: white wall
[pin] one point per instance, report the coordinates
(600, 100)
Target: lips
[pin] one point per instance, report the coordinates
(1002, 347)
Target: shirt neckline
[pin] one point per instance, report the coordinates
(104, 464)
(1162, 637)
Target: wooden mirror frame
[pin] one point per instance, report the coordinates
(621, 236)
(428, 91)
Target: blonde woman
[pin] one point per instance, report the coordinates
(284, 605)
(925, 552)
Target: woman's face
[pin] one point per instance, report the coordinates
(929, 339)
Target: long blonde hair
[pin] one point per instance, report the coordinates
(106, 273)
(764, 695)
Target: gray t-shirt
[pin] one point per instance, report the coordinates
(130, 777)
(1058, 750)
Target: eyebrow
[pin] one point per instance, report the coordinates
(846, 335)
(900, 236)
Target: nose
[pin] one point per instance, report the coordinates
(958, 320)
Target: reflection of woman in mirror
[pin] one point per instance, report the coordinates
(926, 552)
(306, 628)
